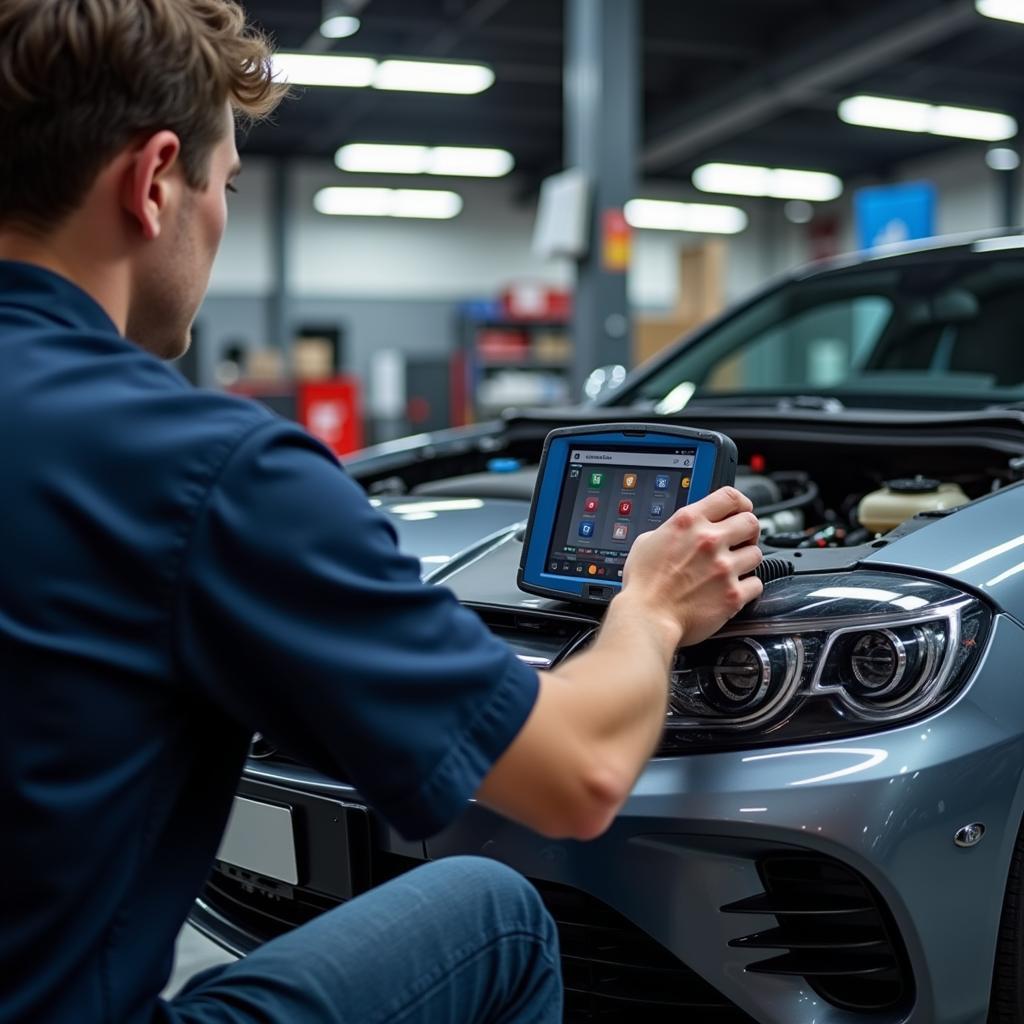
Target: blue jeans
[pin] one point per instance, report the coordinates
(462, 940)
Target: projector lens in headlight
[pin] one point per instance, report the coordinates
(741, 674)
(734, 678)
(878, 660)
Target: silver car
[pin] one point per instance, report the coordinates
(830, 831)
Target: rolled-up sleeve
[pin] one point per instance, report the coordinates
(297, 614)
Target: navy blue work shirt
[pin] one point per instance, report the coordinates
(180, 569)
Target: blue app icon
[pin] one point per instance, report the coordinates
(661, 482)
(657, 510)
(587, 528)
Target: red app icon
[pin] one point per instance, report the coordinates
(625, 507)
(590, 505)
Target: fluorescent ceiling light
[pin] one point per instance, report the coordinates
(427, 76)
(1002, 158)
(701, 218)
(324, 69)
(330, 69)
(1005, 10)
(341, 26)
(388, 202)
(444, 160)
(354, 202)
(470, 162)
(366, 156)
(777, 182)
(913, 116)
(425, 203)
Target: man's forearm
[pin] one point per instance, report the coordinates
(620, 684)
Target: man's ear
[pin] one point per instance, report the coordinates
(150, 181)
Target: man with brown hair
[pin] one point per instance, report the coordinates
(182, 569)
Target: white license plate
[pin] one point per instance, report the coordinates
(261, 838)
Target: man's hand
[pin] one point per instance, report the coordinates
(686, 574)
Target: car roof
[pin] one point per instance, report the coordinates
(968, 244)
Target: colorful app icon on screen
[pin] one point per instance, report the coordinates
(625, 508)
(587, 528)
(596, 479)
(657, 510)
(661, 482)
(590, 505)
(629, 481)
(620, 531)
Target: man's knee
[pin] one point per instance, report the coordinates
(499, 891)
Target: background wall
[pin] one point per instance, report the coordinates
(396, 284)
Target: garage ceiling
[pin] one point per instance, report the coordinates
(746, 81)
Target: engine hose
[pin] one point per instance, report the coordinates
(807, 497)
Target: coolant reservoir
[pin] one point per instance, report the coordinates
(884, 510)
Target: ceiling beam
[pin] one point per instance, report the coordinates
(471, 18)
(848, 53)
(440, 44)
(956, 83)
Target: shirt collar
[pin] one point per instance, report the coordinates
(52, 296)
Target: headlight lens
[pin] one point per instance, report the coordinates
(878, 660)
(738, 678)
(842, 667)
(742, 674)
(888, 668)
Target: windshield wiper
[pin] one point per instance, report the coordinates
(825, 404)
(784, 403)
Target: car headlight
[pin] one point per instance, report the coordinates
(823, 656)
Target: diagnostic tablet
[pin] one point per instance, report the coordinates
(600, 487)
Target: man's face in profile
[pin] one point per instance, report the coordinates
(174, 271)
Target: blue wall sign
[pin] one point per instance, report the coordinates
(894, 213)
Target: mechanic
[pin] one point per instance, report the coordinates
(181, 568)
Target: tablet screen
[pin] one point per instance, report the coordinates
(610, 495)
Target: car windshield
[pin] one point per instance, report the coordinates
(939, 333)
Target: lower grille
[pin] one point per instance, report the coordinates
(833, 929)
(614, 973)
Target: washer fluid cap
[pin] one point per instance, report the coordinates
(884, 510)
(913, 485)
(503, 465)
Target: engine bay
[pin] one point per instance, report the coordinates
(829, 490)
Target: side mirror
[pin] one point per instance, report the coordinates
(603, 381)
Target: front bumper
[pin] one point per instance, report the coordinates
(690, 838)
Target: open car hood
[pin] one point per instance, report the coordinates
(440, 530)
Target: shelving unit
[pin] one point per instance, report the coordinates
(512, 362)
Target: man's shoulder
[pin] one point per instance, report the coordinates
(110, 385)
(103, 405)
